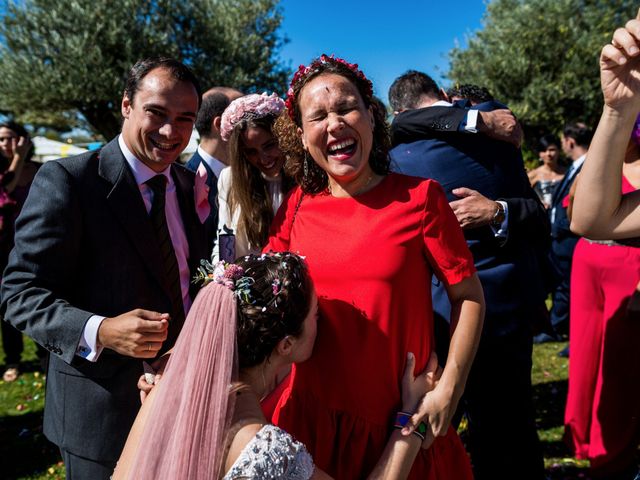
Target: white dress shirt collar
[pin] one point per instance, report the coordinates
(213, 163)
(578, 163)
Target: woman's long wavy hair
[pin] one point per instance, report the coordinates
(186, 427)
(249, 191)
(316, 180)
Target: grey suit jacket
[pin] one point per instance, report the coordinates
(84, 245)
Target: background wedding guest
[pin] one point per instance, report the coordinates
(372, 240)
(252, 188)
(601, 420)
(211, 156)
(546, 178)
(105, 248)
(575, 142)
(17, 172)
(507, 231)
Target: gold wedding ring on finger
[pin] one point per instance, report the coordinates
(148, 346)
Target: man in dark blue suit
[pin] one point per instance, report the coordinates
(211, 156)
(576, 138)
(507, 231)
(105, 248)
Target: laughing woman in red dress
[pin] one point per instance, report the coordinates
(372, 240)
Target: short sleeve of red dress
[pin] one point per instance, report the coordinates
(447, 250)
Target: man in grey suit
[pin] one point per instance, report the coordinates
(100, 274)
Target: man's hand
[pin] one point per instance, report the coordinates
(473, 210)
(138, 333)
(502, 125)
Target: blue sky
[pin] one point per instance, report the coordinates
(385, 38)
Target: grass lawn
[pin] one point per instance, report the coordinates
(26, 454)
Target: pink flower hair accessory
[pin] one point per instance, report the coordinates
(249, 107)
(305, 71)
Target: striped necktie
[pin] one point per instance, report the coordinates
(158, 185)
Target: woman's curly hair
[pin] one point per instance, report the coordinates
(280, 295)
(286, 126)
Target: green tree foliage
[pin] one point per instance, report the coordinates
(61, 57)
(541, 57)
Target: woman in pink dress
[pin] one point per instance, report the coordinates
(602, 419)
(372, 240)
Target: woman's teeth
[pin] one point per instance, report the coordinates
(164, 146)
(343, 146)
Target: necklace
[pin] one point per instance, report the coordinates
(360, 190)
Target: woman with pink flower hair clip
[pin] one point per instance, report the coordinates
(251, 189)
(203, 420)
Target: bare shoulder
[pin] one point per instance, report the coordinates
(243, 435)
(247, 421)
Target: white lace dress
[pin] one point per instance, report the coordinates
(272, 454)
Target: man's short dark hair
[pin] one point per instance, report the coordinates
(579, 132)
(474, 93)
(213, 104)
(178, 71)
(407, 90)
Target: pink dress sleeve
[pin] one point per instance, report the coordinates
(446, 247)
(280, 232)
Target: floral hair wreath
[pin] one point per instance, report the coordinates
(233, 277)
(249, 107)
(305, 71)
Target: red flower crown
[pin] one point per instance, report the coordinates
(305, 71)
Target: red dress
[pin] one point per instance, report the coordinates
(602, 416)
(371, 259)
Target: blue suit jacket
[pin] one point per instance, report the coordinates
(211, 223)
(509, 271)
(564, 240)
